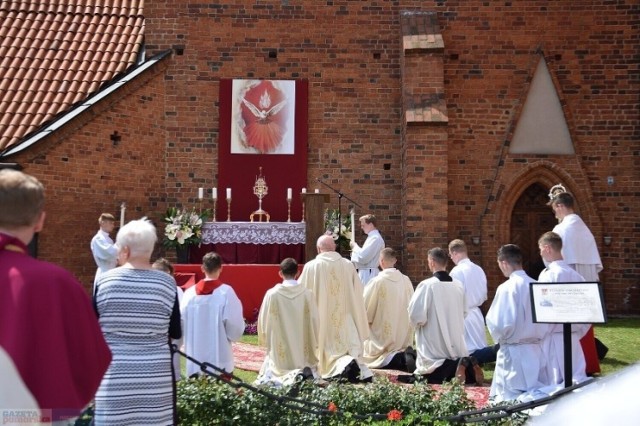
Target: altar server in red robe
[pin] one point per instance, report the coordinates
(48, 327)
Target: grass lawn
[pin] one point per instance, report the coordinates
(620, 335)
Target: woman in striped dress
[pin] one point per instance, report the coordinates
(138, 312)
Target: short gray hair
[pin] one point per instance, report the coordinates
(139, 235)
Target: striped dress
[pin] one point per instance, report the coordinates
(135, 308)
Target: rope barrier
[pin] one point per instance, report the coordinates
(507, 410)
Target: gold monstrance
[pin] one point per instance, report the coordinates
(260, 189)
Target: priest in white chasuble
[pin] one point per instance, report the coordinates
(386, 300)
(337, 290)
(288, 329)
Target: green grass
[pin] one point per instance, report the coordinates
(620, 335)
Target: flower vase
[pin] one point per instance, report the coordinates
(182, 254)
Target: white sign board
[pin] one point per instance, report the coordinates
(567, 303)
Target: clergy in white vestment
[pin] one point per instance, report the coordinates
(580, 251)
(366, 258)
(288, 329)
(520, 365)
(474, 281)
(104, 250)
(550, 245)
(386, 299)
(212, 319)
(337, 290)
(437, 310)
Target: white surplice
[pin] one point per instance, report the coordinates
(211, 323)
(520, 365)
(386, 299)
(559, 271)
(337, 290)
(366, 258)
(437, 310)
(288, 329)
(474, 281)
(579, 247)
(105, 253)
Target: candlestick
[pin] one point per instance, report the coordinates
(215, 201)
(289, 209)
(214, 193)
(229, 209)
(123, 207)
(289, 194)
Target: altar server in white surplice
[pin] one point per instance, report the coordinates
(337, 290)
(550, 245)
(474, 281)
(386, 299)
(580, 251)
(520, 365)
(365, 258)
(104, 250)
(212, 318)
(288, 329)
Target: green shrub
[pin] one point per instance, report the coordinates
(205, 401)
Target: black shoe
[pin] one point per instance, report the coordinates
(406, 378)
(410, 356)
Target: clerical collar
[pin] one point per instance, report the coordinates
(442, 276)
(290, 283)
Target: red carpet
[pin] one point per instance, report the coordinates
(250, 357)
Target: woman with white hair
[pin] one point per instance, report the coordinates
(138, 311)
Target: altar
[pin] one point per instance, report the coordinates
(252, 242)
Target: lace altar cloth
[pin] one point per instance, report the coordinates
(253, 232)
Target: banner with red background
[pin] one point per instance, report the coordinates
(261, 108)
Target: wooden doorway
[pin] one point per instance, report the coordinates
(530, 218)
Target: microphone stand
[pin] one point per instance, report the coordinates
(340, 195)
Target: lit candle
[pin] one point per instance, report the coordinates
(353, 225)
(200, 193)
(304, 190)
(289, 193)
(214, 193)
(228, 193)
(317, 191)
(122, 209)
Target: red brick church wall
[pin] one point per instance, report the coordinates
(350, 54)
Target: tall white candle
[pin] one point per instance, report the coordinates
(353, 225)
(289, 193)
(214, 193)
(122, 209)
(200, 193)
(304, 190)
(228, 193)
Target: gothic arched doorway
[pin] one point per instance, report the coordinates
(531, 218)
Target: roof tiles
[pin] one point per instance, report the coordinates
(55, 53)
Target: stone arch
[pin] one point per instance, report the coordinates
(547, 174)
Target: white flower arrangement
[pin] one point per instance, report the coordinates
(341, 233)
(183, 227)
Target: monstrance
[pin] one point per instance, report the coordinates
(260, 189)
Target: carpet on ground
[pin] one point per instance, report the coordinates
(249, 357)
